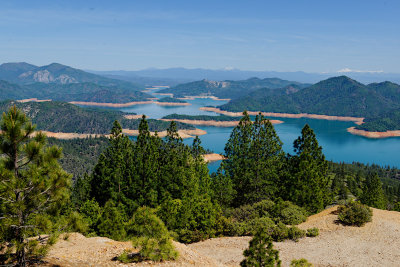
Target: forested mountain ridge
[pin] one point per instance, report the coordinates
(87, 91)
(68, 118)
(227, 89)
(337, 96)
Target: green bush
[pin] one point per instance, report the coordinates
(190, 236)
(294, 233)
(265, 223)
(191, 218)
(242, 213)
(300, 263)
(113, 221)
(312, 232)
(280, 232)
(151, 236)
(154, 249)
(91, 211)
(145, 223)
(289, 213)
(264, 207)
(355, 213)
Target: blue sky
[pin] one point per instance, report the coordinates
(297, 35)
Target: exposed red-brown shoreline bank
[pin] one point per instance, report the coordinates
(286, 115)
(120, 105)
(214, 123)
(369, 134)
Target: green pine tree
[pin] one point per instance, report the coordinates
(254, 160)
(111, 175)
(308, 182)
(373, 195)
(260, 252)
(145, 171)
(32, 182)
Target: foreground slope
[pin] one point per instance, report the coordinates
(78, 250)
(375, 244)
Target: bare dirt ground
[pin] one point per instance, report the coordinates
(375, 244)
(78, 250)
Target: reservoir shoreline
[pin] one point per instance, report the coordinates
(214, 123)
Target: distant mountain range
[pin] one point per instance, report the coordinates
(174, 76)
(64, 83)
(228, 89)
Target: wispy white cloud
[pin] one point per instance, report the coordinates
(347, 70)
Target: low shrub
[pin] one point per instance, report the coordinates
(265, 223)
(113, 221)
(300, 263)
(191, 236)
(295, 233)
(289, 213)
(280, 232)
(355, 213)
(151, 236)
(312, 232)
(264, 207)
(242, 213)
(154, 249)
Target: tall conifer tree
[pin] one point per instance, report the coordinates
(308, 184)
(373, 193)
(254, 159)
(31, 181)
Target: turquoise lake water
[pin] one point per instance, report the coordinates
(338, 145)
